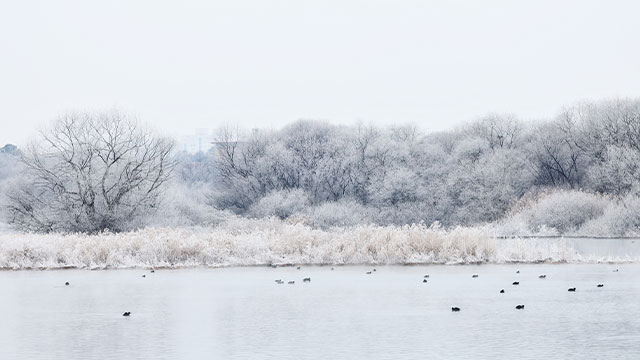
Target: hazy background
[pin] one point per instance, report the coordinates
(190, 64)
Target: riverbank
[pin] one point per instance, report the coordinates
(243, 242)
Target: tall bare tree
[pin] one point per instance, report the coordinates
(91, 172)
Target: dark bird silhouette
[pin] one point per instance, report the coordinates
(600, 285)
(474, 275)
(291, 282)
(502, 291)
(515, 283)
(152, 271)
(298, 268)
(519, 307)
(306, 280)
(426, 276)
(616, 270)
(67, 283)
(144, 275)
(374, 269)
(455, 309)
(572, 289)
(518, 272)
(368, 272)
(424, 280)
(542, 276)
(128, 313)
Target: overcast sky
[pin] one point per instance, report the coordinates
(190, 64)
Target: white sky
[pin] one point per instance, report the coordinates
(190, 64)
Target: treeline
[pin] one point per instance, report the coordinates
(399, 175)
(100, 177)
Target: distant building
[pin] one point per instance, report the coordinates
(9, 149)
(199, 141)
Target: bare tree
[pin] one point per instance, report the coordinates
(498, 130)
(91, 172)
(558, 160)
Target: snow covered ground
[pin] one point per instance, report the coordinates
(242, 242)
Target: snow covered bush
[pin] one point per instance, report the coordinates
(343, 213)
(620, 218)
(187, 205)
(281, 204)
(564, 211)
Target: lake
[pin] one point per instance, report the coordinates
(241, 313)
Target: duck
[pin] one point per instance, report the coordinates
(66, 283)
(543, 276)
(374, 269)
(298, 268)
(291, 282)
(127, 313)
(600, 285)
(474, 275)
(368, 273)
(616, 270)
(519, 307)
(572, 289)
(280, 282)
(152, 271)
(144, 275)
(518, 272)
(455, 309)
(501, 291)
(308, 279)
(515, 283)
(424, 280)
(426, 276)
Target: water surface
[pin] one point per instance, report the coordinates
(241, 313)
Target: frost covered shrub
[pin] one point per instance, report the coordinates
(280, 203)
(564, 211)
(619, 219)
(343, 213)
(188, 206)
(410, 213)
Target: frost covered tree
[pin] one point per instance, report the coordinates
(91, 172)
(399, 174)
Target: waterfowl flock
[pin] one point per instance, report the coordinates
(424, 280)
(456, 308)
